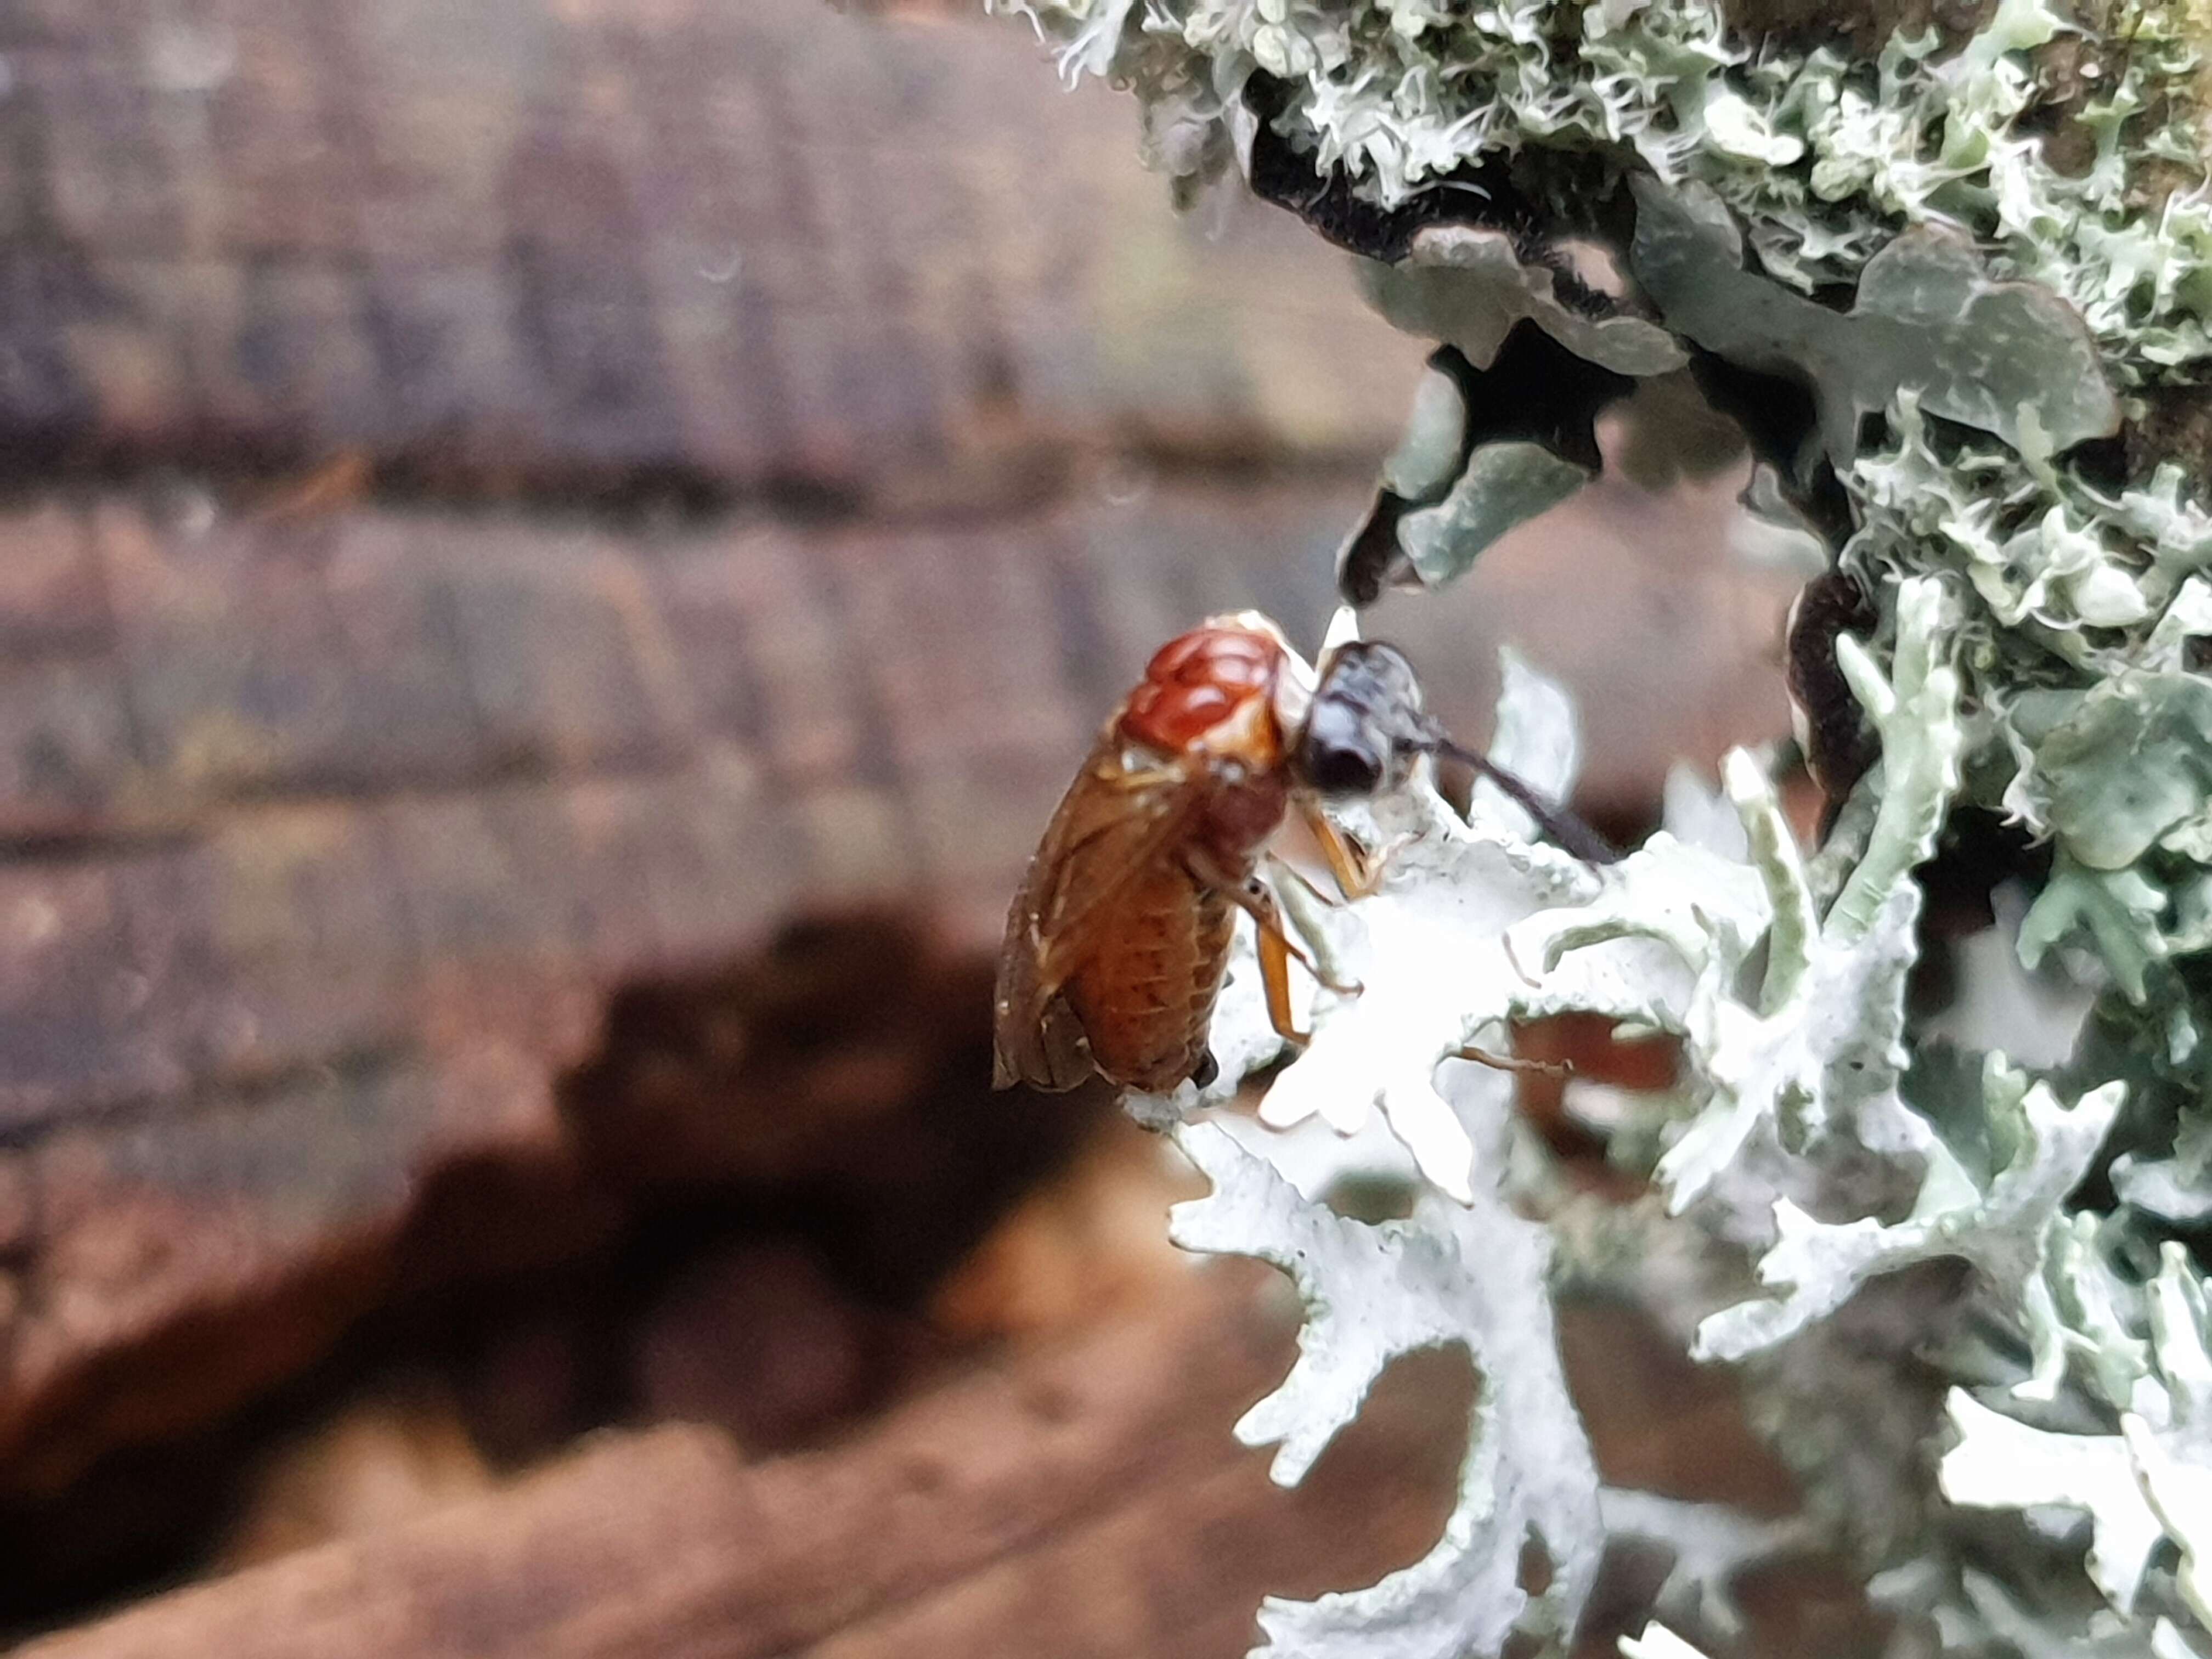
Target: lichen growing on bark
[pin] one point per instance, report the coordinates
(1959, 288)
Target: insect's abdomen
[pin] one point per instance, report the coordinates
(1145, 998)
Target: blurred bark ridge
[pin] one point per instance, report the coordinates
(511, 504)
(1950, 268)
(502, 505)
(484, 509)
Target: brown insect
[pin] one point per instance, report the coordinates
(1118, 941)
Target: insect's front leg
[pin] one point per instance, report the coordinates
(1275, 952)
(1251, 895)
(1357, 873)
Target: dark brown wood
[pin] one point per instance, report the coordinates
(326, 824)
(388, 802)
(1086, 1500)
(700, 247)
(333, 830)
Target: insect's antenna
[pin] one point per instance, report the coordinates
(1556, 821)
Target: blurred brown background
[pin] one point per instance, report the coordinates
(558, 554)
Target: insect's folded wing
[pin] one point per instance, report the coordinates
(1115, 827)
(1116, 822)
(1048, 1053)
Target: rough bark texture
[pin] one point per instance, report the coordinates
(325, 825)
(331, 837)
(1089, 1500)
(1085, 1497)
(330, 832)
(689, 245)
(859, 421)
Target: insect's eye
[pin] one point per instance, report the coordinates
(1337, 770)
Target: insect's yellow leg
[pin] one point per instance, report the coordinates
(1253, 898)
(1275, 981)
(1357, 870)
(1357, 873)
(1250, 894)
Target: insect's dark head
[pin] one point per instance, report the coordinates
(1367, 727)
(1366, 724)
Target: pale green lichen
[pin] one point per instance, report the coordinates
(1469, 1276)
(1502, 484)
(1818, 1051)
(2148, 1481)
(2001, 1228)
(2001, 352)
(1467, 287)
(1818, 162)
(1710, 1544)
(1657, 1642)
(2004, 357)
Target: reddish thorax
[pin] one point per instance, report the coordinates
(1212, 691)
(1199, 681)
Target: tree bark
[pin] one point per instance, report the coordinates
(1088, 1500)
